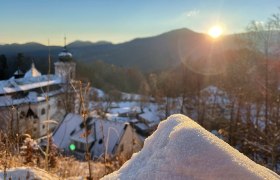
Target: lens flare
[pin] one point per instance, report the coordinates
(215, 31)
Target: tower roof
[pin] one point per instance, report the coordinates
(18, 72)
(33, 72)
(65, 55)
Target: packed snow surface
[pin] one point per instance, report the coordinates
(28, 173)
(182, 149)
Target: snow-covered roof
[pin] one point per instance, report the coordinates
(7, 100)
(133, 97)
(150, 117)
(212, 89)
(120, 110)
(151, 114)
(18, 72)
(182, 149)
(123, 110)
(99, 92)
(61, 135)
(215, 95)
(134, 120)
(142, 126)
(116, 117)
(27, 83)
(32, 72)
(112, 132)
(80, 136)
(117, 108)
(69, 129)
(64, 55)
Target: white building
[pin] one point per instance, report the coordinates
(26, 101)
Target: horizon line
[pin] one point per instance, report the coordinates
(102, 40)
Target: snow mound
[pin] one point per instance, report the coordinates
(182, 149)
(28, 173)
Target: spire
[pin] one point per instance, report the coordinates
(49, 58)
(33, 72)
(64, 41)
(32, 63)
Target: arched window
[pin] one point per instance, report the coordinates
(43, 111)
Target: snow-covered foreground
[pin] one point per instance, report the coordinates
(28, 173)
(67, 169)
(182, 149)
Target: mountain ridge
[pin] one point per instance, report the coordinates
(147, 54)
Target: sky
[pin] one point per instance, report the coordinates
(122, 20)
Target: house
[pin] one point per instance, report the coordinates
(125, 110)
(102, 136)
(147, 121)
(142, 129)
(130, 142)
(149, 117)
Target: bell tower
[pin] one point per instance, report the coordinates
(65, 68)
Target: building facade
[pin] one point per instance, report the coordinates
(29, 100)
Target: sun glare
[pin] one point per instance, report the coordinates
(215, 31)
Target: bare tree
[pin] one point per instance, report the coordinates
(261, 36)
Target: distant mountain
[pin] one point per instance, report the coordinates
(147, 54)
(79, 43)
(27, 47)
(155, 53)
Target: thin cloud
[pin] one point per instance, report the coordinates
(191, 13)
(183, 17)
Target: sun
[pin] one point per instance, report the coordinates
(215, 31)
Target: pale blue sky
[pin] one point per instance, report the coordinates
(122, 20)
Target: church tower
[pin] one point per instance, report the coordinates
(65, 68)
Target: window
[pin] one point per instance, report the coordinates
(21, 115)
(59, 103)
(43, 126)
(83, 146)
(43, 111)
(80, 146)
(121, 148)
(72, 132)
